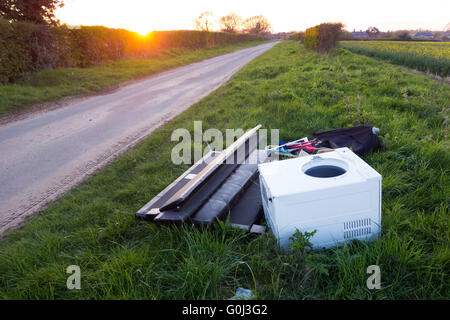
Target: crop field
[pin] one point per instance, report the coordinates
(298, 92)
(431, 57)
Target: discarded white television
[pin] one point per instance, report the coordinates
(335, 193)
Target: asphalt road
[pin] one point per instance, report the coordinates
(46, 153)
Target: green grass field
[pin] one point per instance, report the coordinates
(50, 85)
(298, 92)
(431, 57)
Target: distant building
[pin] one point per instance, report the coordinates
(424, 35)
(280, 35)
(360, 35)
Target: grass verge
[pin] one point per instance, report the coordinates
(298, 92)
(50, 85)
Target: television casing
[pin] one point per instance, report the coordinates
(340, 208)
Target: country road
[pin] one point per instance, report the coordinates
(46, 153)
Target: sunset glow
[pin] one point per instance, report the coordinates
(144, 16)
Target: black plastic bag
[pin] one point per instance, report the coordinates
(361, 139)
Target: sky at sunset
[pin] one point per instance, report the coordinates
(146, 15)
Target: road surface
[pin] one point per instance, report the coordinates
(46, 153)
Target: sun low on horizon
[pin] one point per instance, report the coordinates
(144, 16)
(139, 16)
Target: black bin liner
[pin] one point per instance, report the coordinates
(360, 139)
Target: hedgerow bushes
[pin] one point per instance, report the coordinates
(311, 38)
(25, 47)
(324, 37)
(15, 54)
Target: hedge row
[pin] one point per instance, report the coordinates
(311, 38)
(26, 47)
(323, 37)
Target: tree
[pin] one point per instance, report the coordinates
(257, 25)
(402, 35)
(323, 37)
(447, 27)
(346, 35)
(298, 36)
(372, 31)
(230, 23)
(36, 11)
(329, 35)
(205, 21)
